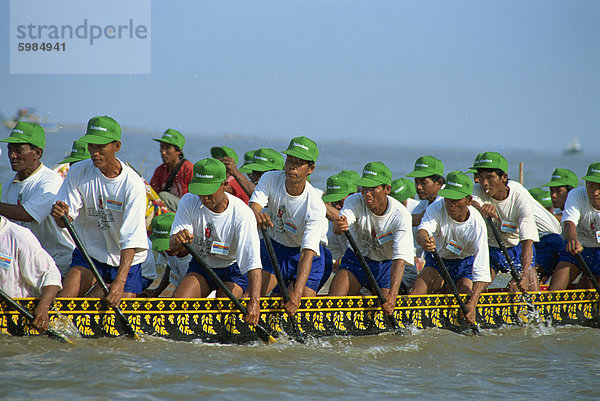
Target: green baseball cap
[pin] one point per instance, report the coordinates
(79, 152)
(303, 148)
(458, 185)
(161, 230)
(593, 173)
(209, 174)
(402, 189)
(249, 156)
(219, 152)
(172, 137)
(474, 170)
(102, 130)
(375, 174)
(491, 160)
(338, 187)
(265, 159)
(542, 196)
(25, 132)
(353, 176)
(426, 166)
(562, 177)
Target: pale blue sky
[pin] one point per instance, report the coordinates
(482, 74)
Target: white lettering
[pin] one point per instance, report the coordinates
(456, 184)
(369, 172)
(98, 128)
(205, 176)
(421, 165)
(18, 131)
(300, 145)
(400, 189)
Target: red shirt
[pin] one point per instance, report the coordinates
(236, 190)
(181, 182)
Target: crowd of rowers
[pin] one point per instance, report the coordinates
(223, 212)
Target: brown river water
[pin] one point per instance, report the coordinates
(533, 362)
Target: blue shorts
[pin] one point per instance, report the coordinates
(328, 265)
(146, 282)
(108, 273)
(230, 273)
(499, 263)
(381, 269)
(547, 252)
(288, 258)
(590, 255)
(458, 268)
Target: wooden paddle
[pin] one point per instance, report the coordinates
(280, 282)
(124, 322)
(584, 266)
(448, 279)
(51, 333)
(511, 263)
(371, 278)
(261, 331)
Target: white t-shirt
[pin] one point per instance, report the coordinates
(108, 213)
(220, 238)
(459, 240)
(337, 244)
(149, 265)
(25, 267)
(580, 212)
(545, 222)
(414, 205)
(386, 237)
(36, 194)
(516, 214)
(299, 220)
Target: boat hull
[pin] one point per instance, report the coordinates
(215, 320)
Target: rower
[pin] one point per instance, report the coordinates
(456, 230)
(237, 183)
(561, 183)
(27, 197)
(264, 159)
(581, 229)
(403, 190)
(106, 200)
(171, 179)
(382, 229)
(295, 221)
(79, 152)
(27, 270)
(222, 229)
(429, 179)
(512, 209)
(542, 196)
(339, 187)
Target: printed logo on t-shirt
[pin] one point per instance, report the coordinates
(114, 205)
(385, 237)
(208, 230)
(5, 261)
(508, 227)
(219, 248)
(277, 219)
(104, 217)
(598, 237)
(290, 227)
(454, 247)
(19, 198)
(204, 245)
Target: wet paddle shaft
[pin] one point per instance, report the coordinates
(125, 323)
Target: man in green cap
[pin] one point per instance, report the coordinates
(27, 197)
(382, 229)
(512, 209)
(295, 221)
(106, 200)
(542, 196)
(456, 230)
(403, 190)
(581, 230)
(263, 160)
(429, 179)
(79, 152)
(171, 179)
(222, 229)
(561, 183)
(234, 177)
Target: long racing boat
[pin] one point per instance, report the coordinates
(216, 319)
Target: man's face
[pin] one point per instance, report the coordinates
(375, 197)
(22, 156)
(427, 188)
(102, 155)
(457, 208)
(491, 183)
(593, 193)
(339, 204)
(558, 195)
(214, 201)
(296, 170)
(168, 154)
